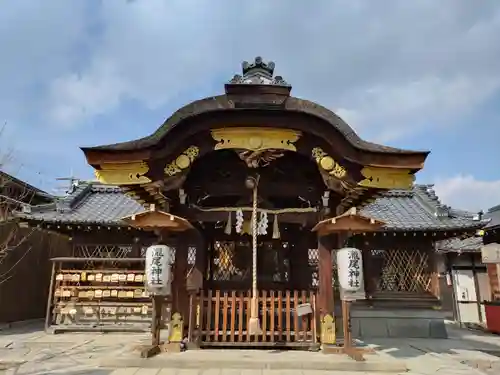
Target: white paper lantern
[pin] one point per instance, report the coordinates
(158, 269)
(350, 269)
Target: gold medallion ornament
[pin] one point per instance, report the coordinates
(182, 161)
(327, 163)
(256, 139)
(255, 143)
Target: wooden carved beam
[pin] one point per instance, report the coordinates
(154, 190)
(387, 178)
(255, 139)
(358, 197)
(374, 177)
(135, 194)
(304, 218)
(127, 173)
(285, 189)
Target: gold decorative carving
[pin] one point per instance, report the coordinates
(328, 330)
(183, 161)
(123, 173)
(327, 163)
(386, 178)
(256, 139)
(177, 327)
(255, 159)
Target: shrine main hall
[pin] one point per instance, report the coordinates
(254, 159)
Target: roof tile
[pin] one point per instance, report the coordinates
(90, 203)
(470, 244)
(416, 210)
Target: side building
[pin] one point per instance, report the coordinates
(492, 238)
(403, 274)
(24, 252)
(472, 286)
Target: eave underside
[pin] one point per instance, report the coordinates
(95, 233)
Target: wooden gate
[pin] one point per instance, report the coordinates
(222, 319)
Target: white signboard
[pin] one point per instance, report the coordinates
(158, 269)
(491, 253)
(350, 269)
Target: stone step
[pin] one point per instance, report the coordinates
(258, 360)
(168, 371)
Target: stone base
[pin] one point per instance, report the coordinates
(418, 323)
(258, 360)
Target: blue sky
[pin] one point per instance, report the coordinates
(423, 74)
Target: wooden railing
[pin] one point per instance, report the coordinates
(222, 319)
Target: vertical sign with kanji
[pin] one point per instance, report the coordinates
(350, 269)
(158, 268)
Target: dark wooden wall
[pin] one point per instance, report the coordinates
(25, 273)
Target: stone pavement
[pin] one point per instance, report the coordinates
(28, 350)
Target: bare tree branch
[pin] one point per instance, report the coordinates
(13, 195)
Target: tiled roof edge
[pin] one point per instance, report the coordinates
(28, 209)
(429, 201)
(396, 193)
(80, 196)
(22, 183)
(106, 188)
(494, 209)
(455, 244)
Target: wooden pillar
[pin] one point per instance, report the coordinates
(300, 272)
(136, 250)
(200, 266)
(369, 272)
(195, 286)
(180, 273)
(434, 271)
(325, 289)
(50, 298)
(157, 319)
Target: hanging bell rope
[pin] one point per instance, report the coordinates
(276, 228)
(229, 224)
(254, 324)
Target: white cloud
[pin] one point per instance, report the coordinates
(91, 95)
(427, 102)
(465, 192)
(38, 41)
(391, 70)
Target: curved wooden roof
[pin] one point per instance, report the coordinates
(224, 103)
(260, 98)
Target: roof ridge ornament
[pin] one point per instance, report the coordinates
(441, 210)
(258, 64)
(258, 73)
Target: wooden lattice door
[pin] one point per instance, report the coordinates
(230, 265)
(225, 301)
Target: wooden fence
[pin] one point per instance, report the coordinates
(25, 273)
(222, 319)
